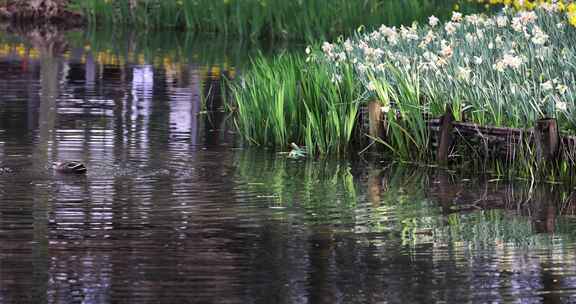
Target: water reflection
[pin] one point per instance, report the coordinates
(412, 235)
(172, 211)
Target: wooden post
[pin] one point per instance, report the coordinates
(547, 139)
(377, 123)
(445, 136)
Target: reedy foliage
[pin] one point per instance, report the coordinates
(407, 132)
(284, 100)
(255, 19)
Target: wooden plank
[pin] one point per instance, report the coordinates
(505, 142)
(472, 128)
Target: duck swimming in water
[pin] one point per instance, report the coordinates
(5, 170)
(70, 166)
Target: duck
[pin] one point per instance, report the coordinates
(5, 170)
(70, 167)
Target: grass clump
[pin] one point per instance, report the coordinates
(284, 100)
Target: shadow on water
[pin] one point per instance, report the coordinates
(174, 210)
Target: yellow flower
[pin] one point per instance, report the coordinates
(571, 13)
(572, 19)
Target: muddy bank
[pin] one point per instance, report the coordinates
(40, 12)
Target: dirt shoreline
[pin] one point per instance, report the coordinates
(14, 13)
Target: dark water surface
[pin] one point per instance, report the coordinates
(174, 210)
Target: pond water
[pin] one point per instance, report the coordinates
(175, 210)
